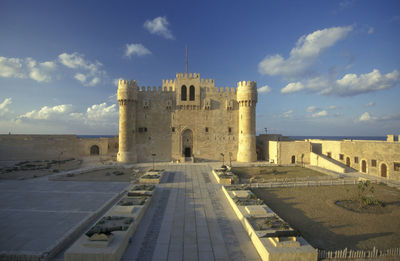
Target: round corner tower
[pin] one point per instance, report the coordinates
(127, 97)
(247, 99)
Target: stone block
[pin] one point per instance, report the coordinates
(242, 193)
(257, 211)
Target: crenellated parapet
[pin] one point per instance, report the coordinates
(187, 75)
(127, 91)
(247, 93)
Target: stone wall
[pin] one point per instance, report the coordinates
(288, 152)
(39, 147)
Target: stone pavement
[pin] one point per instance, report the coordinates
(36, 215)
(190, 219)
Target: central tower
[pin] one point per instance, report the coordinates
(247, 99)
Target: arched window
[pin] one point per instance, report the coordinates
(183, 93)
(191, 93)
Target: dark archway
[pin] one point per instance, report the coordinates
(94, 150)
(187, 143)
(348, 162)
(383, 171)
(183, 93)
(364, 166)
(293, 159)
(191, 93)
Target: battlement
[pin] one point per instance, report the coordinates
(127, 83)
(229, 90)
(168, 82)
(187, 75)
(206, 81)
(155, 89)
(247, 84)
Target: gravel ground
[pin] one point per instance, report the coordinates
(325, 225)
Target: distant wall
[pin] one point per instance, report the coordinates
(285, 152)
(37, 147)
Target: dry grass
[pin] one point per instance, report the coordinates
(325, 225)
(275, 172)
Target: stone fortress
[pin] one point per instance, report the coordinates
(187, 119)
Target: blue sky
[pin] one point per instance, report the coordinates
(322, 67)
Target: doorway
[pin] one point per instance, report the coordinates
(94, 150)
(187, 143)
(363, 166)
(188, 153)
(293, 159)
(348, 162)
(383, 171)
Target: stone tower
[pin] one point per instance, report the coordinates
(247, 99)
(127, 98)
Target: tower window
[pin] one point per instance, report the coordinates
(183, 93)
(229, 130)
(206, 129)
(173, 129)
(373, 163)
(191, 93)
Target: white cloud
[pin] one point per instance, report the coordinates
(304, 54)
(101, 113)
(331, 107)
(322, 113)
(370, 104)
(4, 105)
(136, 49)
(366, 117)
(11, 67)
(371, 30)
(311, 108)
(47, 113)
(264, 89)
(348, 85)
(159, 26)
(27, 67)
(293, 87)
(287, 114)
(92, 70)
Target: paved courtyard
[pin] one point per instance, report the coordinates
(37, 215)
(190, 219)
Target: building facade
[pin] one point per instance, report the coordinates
(187, 119)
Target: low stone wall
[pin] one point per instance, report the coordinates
(322, 162)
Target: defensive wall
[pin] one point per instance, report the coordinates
(18, 147)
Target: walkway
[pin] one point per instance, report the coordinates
(190, 219)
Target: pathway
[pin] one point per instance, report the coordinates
(190, 219)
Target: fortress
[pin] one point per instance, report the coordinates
(187, 119)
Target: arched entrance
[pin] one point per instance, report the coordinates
(187, 143)
(94, 150)
(293, 159)
(383, 170)
(363, 166)
(348, 162)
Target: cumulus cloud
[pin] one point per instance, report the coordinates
(92, 71)
(348, 85)
(4, 106)
(322, 113)
(287, 114)
(370, 104)
(264, 89)
(136, 49)
(159, 26)
(101, 112)
(46, 112)
(26, 68)
(367, 117)
(311, 108)
(304, 54)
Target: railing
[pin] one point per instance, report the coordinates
(346, 253)
(302, 183)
